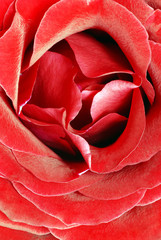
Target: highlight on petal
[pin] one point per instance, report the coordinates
(105, 159)
(113, 98)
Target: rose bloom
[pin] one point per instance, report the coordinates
(80, 119)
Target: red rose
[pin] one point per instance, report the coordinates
(80, 112)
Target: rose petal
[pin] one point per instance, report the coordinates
(153, 26)
(139, 7)
(53, 69)
(104, 130)
(151, 196)
(139, 223)
(19, 137)
(18, 209)
(19, 235)
(113, 98)
(152, 134)
(154, 3)
(12, 42)
(64, 24)
(105, 159)
(6, 222)
(128, 180)
(8, 17)
(26, 84)
(112, 19)
(85, 210)
(12, 170)
(51, 169)
(4, 6)
(95, 58)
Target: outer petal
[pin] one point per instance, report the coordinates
(106, 15)
(8, 234)
(13, 171)
(85, 210)
(18, 209)
(126, 181)
(152, 134)
(6, 222)
(139, 223)
(151, 195)
(21, 139)
(139, 7)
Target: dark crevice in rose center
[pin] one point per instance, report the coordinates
(65, 88)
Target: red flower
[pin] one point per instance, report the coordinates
(80, 110)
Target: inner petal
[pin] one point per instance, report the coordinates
(114, 97)
(96, 58)
(54, 87)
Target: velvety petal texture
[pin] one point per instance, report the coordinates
(80, 113)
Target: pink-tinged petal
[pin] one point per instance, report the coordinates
(126, 181)
(114, 17)
(8, 234)
(4, 6)
(54, 69)
(95, 58)
(115, 97)
(13, 171)
(85, 210)
(105, 130)
(18, 209)
(139, 223)
(139, 7)
(105, 159)
(151, 195)
(153, 26)
(54, 26)
(6, 222)
(152, 133)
